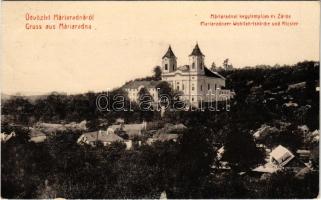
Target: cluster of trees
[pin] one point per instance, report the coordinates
(266, 90)
(54, 107)
(61, 168)
(225, 66)
(185, 169)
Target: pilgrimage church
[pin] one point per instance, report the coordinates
(196, 83)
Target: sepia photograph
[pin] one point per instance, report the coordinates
(160, 99)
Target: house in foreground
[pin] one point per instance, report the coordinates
(281, 158)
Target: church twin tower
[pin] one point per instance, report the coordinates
(194, 82)
(169, 62)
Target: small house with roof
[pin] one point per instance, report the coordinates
(131, 130)
(280, 156)
(36, 136)
(105, 137)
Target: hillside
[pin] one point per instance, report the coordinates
(273, 106)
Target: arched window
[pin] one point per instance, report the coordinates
(173, 67)
(208, 86)
(201, 87)
(166, 67)
(201, 66)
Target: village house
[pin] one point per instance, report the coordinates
(162, 137)
(105, 137)
(281, 158)
(37, 136)
(131, 130)
(51, 128)
(118, 132)
(196, 83)
(5, 137)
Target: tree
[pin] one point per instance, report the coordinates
(157, 73)
(227, 65)
(18, 107)
(240, 150)
(145, 104)
(165, 91)
(284, 184)
(213, 67)
(144, 95)
(195, 159)
(290, 138)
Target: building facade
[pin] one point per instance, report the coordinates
(194, 82)
(133, 88)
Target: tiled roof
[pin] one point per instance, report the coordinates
(282, 155)
(196, 51)
(36, 133)
(165, 137)
(171, 128)
(169, 53)
(136, 84)
(209, 73)
(130, 129)
(102, 136)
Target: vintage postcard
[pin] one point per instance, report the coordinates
(160, 99)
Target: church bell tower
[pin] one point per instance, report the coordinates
(169, 63)
(197, 60)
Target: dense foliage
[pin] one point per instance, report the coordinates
(187, 168)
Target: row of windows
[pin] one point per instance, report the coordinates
(193, 88)
(136, 90)
(193, 66)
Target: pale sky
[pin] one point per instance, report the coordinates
(130, 38)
